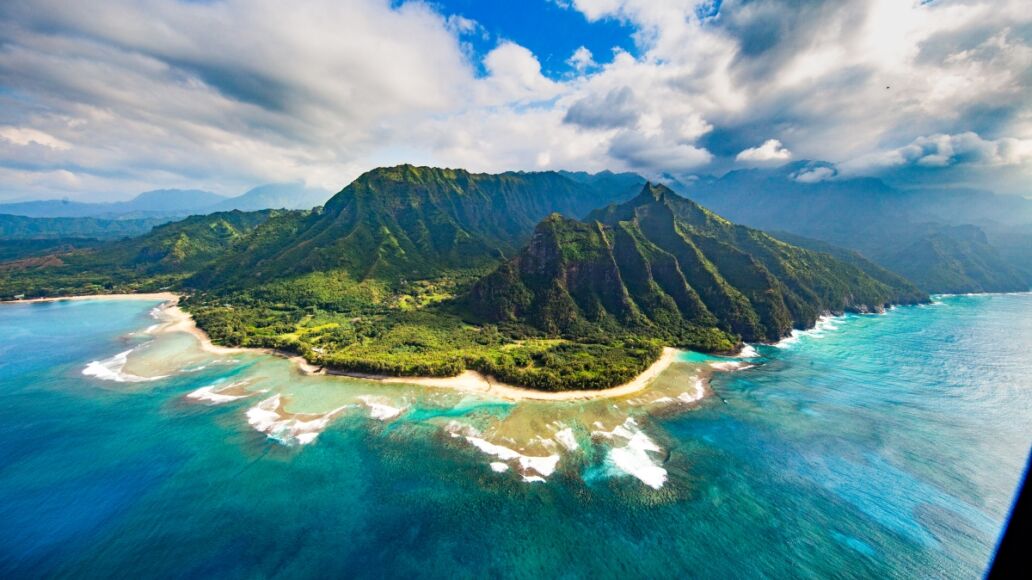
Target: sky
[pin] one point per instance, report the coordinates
(102, 100)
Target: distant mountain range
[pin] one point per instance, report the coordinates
(35, 227)
(15, 227)
(942, 240)
(273, 196)
(175, 203)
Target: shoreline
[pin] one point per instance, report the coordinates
(175, 319)
(181, 321)
(476, 382)
(164, 296)
(468, 381)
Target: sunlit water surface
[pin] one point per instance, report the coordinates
(883, 445)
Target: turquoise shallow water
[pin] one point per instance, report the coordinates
(879, 446)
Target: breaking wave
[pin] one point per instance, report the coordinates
(112, 369)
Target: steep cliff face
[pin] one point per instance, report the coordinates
(663, 266)
(412, 222)
(578, 279)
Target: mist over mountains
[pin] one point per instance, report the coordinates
(175, 203)
(944, 240)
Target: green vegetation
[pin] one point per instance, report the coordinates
(663, 267)
(18, 249)
(159, 260)
(14, 227)
(420, 271)
(408, 222)
(427, 342)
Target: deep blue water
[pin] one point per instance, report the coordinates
(888, 446)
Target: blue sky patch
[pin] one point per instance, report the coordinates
(548, 30)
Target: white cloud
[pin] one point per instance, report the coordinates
(617, 108)
(26, 136)
(770, 150)
(642, 152)
(227, 94)
(943, 150)
(814, 174)
(460, 25)
(127, 95)
(515, 75)
(581, 60)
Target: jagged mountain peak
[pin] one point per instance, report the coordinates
(408, 221)
(662, 265)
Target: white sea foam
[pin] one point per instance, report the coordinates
(546, 442)
(533, 479)
(731, 366)
(543, 465)
(499, 451)
(696, 394)
(633, 457)
(529, 465)
(749, 351)
(566, 438)
(269, 418)
(456, 429)
(379, 409)
(214, 395)
(111, 369)
(825, 323)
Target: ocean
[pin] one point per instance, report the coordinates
(873, 446)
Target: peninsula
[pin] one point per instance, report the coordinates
(556, 282)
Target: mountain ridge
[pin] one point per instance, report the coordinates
(409, 221)
(539, 279)
(664, 266)
(878, 220)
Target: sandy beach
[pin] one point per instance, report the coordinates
(474, 382)
(469, 381)
(178, 320)
(166, 296)
(175, 319)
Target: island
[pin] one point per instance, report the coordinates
(552, 281)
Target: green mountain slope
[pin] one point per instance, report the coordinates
(18, 249)
(164, 256)
(906, 288)
(663, 266)
(13, 227)
(389, 277)
(410, 222)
